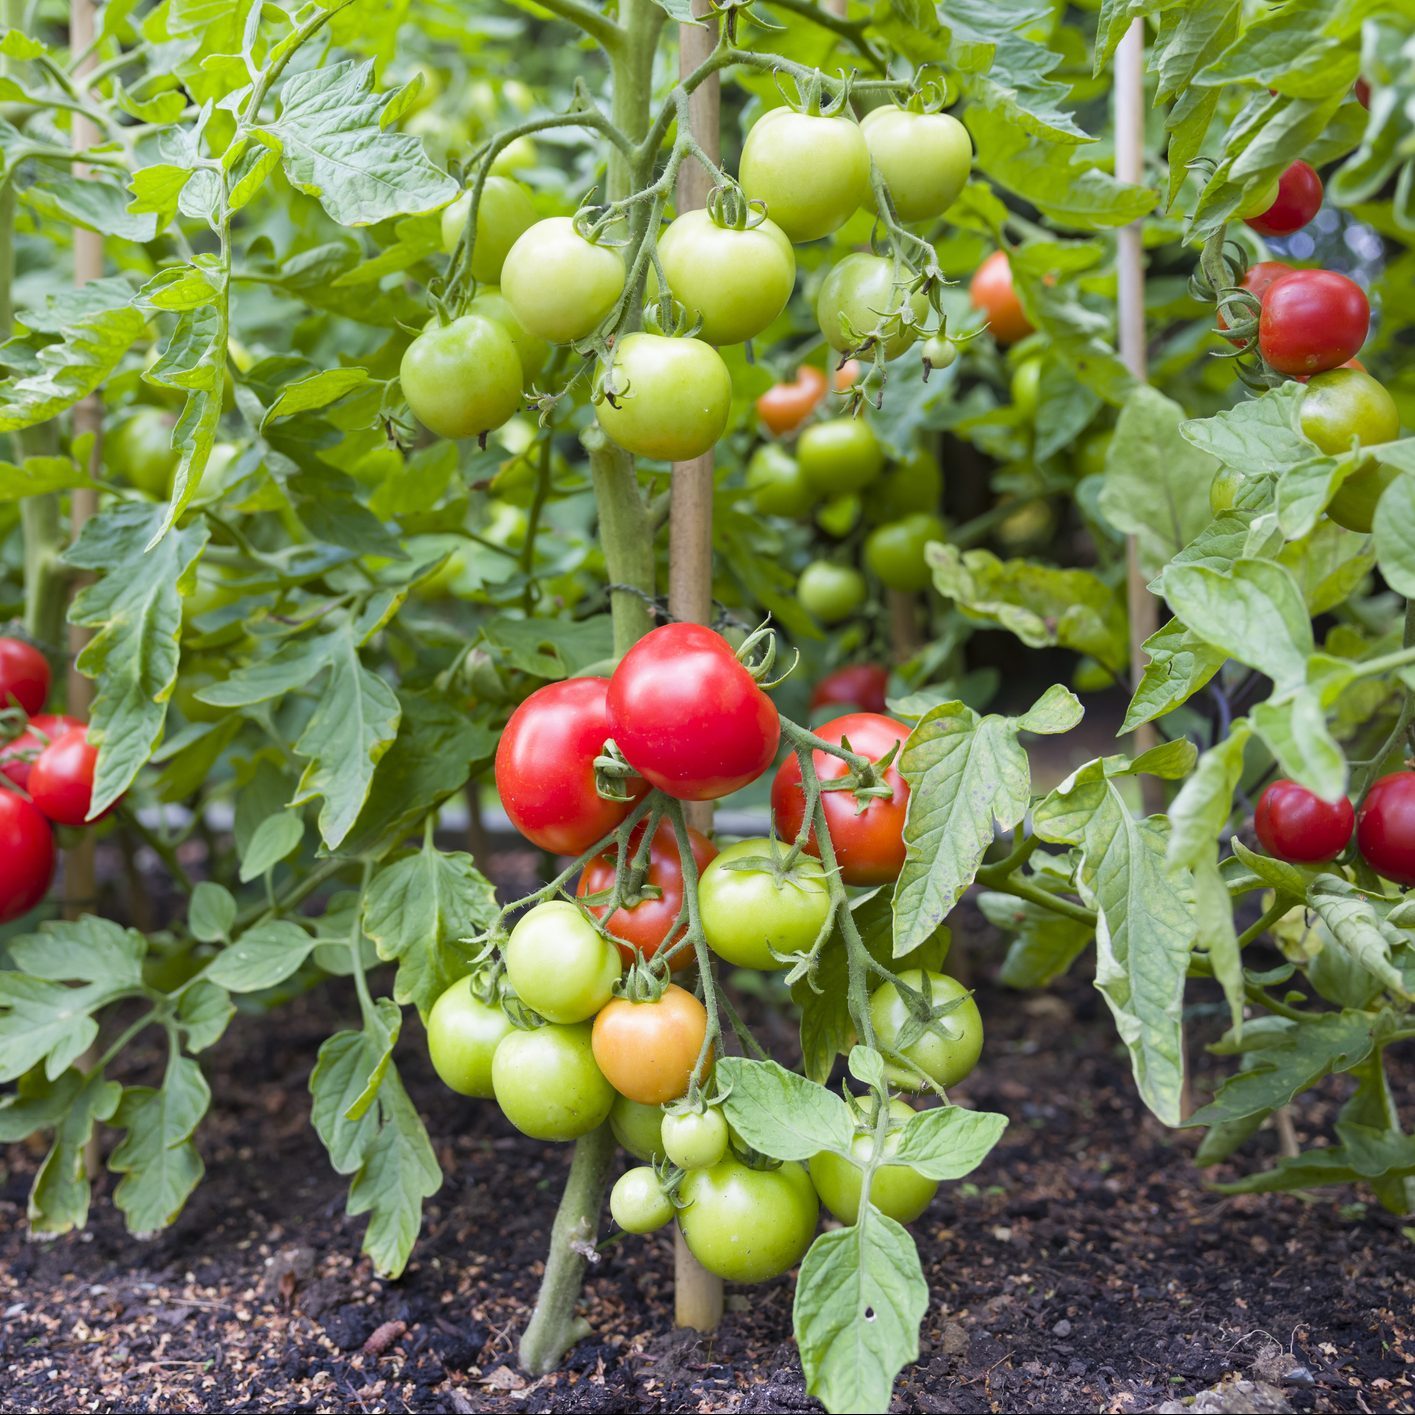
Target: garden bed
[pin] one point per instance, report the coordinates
(1087, 1268)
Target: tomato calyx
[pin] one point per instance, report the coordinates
(612, 774)
(865, 779)
(758, 655)
(818, 96)
(644, 980)
(731, 209)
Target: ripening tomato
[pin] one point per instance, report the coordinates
(839, 456)
(830, 591)
(1297, 200)
(749, 912)
(992, 291)
(1345, 407)
(463, 1033)
(785, 406)
(951, 1046)
(647, 1050)
(748, 1225)
(26, 856)
(24, 676)
(545, 772)
(776, 483)
(61, 779)
(462, 379)
(894, 552)
(1026, 388)
(868, 838)
(1296, 825)
(666, 398)
(856, 685)
(1258, 279)
(648, 925)
(688, 717)
(1312, 320)
(1385, 827)
(18, 754)
(812, 171)
(858, 295)
(735, 280)
(844, 378)
(895, 1189)
(561, 285)
(547, 1084)
(637, 1202)
(695, 1139)
(559, 964)
(924, 159)
(638, 1128)
(504, 212)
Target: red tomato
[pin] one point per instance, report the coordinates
(786, 406)
(1258, 279)
(688, 717)
(991, 291)
(868, 841)
(26, 856)
(1296, 825)
(545, 767)
(61, 779)
(1312, 320)
(647, 925)
(858, 685)
(1385, 827)
(1362, 90)
(24, 676)
(1299, 198)
(17, 755)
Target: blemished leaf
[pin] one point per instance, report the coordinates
(1156, 484)
(157, 1157)
(417, 910)
(276, 837)
(1358, 925)
(265, 954)
(135, 609)
(969, 778)
(335, 148)
(211, 912)
(860, 1297)
(780, 1113)
(949, 1142)
(1145, 926)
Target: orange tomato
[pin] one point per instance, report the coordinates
(647, 1050)
(992, 292)
(846, 376)
(786, 406)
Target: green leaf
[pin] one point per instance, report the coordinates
(780, 1113)
(275, 838)
(1359, 926)
(292, 665)
(266, 954)
(1201, 810)
(949, 1142)
(1394, 527)
(88, 949)
(157, 1158)
(1180, 664)
(1257, 436)
(1156, 484)
(345, 1084)
(37, 476)
(1145, 922)
(417, 910)
(317, 391)
(860, 1298)
(203, 1013)
(211, 912)
(136, 610)
(336, 149)
(969, 778)
(1047, 943)
(91, 202)
(1294, 727)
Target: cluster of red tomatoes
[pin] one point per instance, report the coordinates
(565, 1039)
(732, 268)
(47, 765)
(1296, 825)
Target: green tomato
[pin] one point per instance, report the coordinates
(831, 592)
(813, 172)
(840, 515)
(505, 211)
(839, 456)
(462, 379)
(219, 474)
(1026, 388)
(1354, 505)
(491, 304)
(695, 1139)
(775, 482)
(518, 155)
(638, 1128)
(139, 451)
(1088, 460)
(748, 1225)
(736, 282)
(547, 1084)
(463, 1033)
(560, 285)
(559, 965)
(909, 486)
(894, 552)
(1225, 489)
(938, 353)
(858, 295)
(637, 1202)
(949, 1050)
(747, 912)
(1342, 408)
(895, 1189)
(672, 398)
(924, 159)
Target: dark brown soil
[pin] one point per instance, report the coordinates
(1085, 1269)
